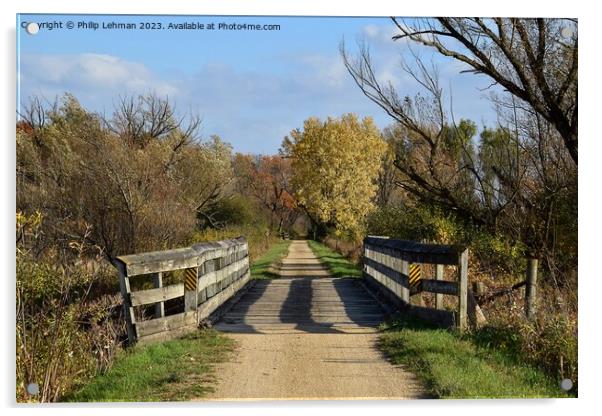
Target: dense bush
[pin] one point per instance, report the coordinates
(549, 341)
(66, 328)
(233, 211)
(130, 190)
(494, 254)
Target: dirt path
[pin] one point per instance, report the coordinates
(308, 336)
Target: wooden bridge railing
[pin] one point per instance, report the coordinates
(386, 269)
(212, 273)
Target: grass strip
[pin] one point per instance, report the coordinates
(453, 367)
(261, 269)
(175, 370)
(338, 265)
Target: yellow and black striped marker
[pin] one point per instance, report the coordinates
(414, 275)
(190, 278)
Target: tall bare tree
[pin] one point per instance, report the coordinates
(535, 60)
(518, 178)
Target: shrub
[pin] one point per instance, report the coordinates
(260, 238)
(548, 342)
(495, 254)
(68, 323)
(63, 338)
(233, 211)
(137, 190)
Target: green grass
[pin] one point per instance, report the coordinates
(179, 369)
(260, 269)
(453, 367)
(338, 265)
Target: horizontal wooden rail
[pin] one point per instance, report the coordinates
(160, 294)
(175, 259)
(439, 286)
(166, 323)
(213, 272)
(414, 252)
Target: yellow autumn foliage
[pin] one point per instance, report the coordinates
(335, 165)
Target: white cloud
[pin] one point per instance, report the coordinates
(323, 70)
(92, 73)
(382, 34)
(371, 31)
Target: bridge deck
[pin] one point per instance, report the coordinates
(306, 299)
(304, 304)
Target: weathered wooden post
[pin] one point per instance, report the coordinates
(210, 267)
(190, 289)
(389, 263)
(364, 257)
(462, 290)
(382, 259)
(405, 290)
(396, 265)
(159, 306)
(531, 288)
(439, 296)
(128, 310)
(478, 288)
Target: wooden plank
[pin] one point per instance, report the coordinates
(159, 261)
(207, 308)
(463, 290)
(379, 291)
(439, 296)
(214, 277)
(405, 289)
(209, 279)
(397, 286)
(442, 287)
(176, 259)
(145, 297)
(165, 336)
(167, 323)
(395, 275)
(414, 252)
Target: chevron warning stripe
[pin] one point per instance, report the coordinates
(414, 274)
(190, 278)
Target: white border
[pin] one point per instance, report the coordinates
(589, 225)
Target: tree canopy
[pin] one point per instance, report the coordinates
(335, 167)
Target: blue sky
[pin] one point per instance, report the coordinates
(250, 87)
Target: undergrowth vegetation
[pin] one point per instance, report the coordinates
(455, 366)
(176, 370)
(69, 324)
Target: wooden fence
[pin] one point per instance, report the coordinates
(212, 273)
(386, 269)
